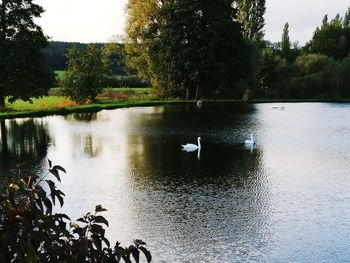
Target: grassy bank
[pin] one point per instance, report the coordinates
(55, 105)
(58, 105)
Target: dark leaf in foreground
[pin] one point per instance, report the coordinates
(58, 167)
(101, 220)
(55, 173)
(146, 253)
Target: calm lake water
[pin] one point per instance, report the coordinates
(285, 200)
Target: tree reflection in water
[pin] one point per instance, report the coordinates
(24, 143)
(200, 201)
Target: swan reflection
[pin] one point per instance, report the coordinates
(249, 147)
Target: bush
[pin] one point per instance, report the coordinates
(31, 232)
(312, 63)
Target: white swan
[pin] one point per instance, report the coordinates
(251, 141)
(189, 147)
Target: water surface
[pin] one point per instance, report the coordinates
(285, 200)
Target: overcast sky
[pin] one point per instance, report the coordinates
(97, 21)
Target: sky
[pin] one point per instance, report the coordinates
(99, 20)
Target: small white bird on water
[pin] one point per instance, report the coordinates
(189, 147)
(251, 141)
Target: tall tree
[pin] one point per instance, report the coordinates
(23, 71)
(285, 42)
(346, 21)
(325, 20)
(251, 16)
(141, 30)
(186, 48)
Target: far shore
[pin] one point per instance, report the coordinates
(32, 111)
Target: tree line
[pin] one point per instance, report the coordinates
(56, 54)
(197, 49)
(320, 69)
(187, 50)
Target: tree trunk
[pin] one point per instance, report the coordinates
(2, 41)
(3, 138)
(197, 91)
(2, 99)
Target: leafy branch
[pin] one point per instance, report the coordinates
(31, 232)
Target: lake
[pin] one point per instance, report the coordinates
(287, 199)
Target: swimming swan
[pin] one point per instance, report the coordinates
(192, 147)
(251, 141)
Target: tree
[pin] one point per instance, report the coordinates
(187, 49)
(23, 71)
(85, 75)
(251, 16)
(141, 31)
(325, 20)
(285, 43)
(271, 62)
(346, 21)
(332, 38)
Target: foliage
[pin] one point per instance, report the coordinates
(270, 62)
(187, 49)
(253, 69)
(55, 53)
(312, 63)
(23, 71)
(346, 20)
(332, 38)
(113, 57)
(85, 77)
(251, 16)
(141, 16)
(125, 81)
(123, 94)
(319, 70)
(285, 42)
(31, 232)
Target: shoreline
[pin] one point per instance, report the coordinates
(96, 107)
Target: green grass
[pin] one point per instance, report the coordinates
(59, 73)
(111, 98)
(49, 102)
(51, 106)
